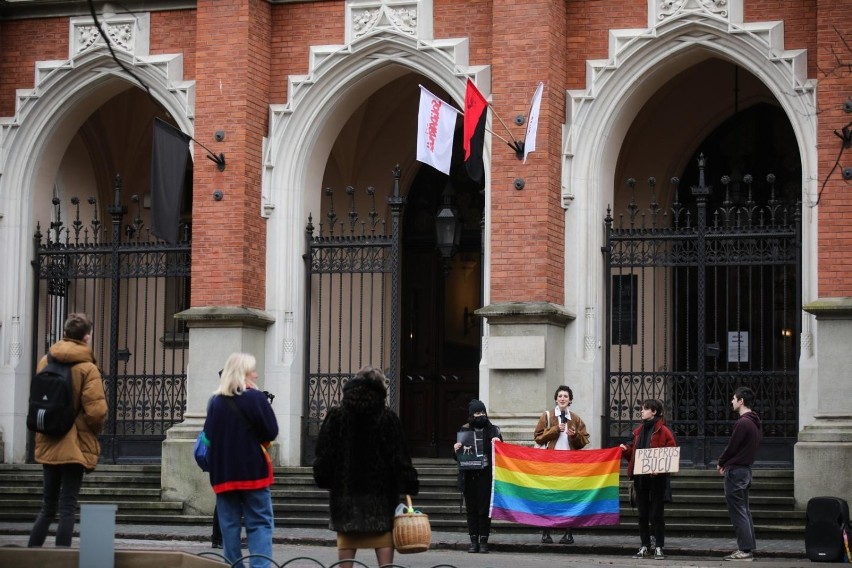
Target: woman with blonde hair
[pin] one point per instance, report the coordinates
(240, 425)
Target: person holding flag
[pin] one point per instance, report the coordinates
(562, 430)
(475, 484)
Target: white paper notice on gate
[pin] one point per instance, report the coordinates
(656, 460)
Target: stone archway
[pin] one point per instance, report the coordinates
(32, 143)
(639, 62)
(302, 133)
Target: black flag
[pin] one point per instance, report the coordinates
(168, 169)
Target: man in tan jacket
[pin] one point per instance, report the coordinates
(65, 458)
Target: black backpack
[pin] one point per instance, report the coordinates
(827, 519)
(51, 409)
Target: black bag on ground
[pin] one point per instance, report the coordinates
(51, 408)
(827, 518)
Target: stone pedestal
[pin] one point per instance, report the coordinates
(214, 333)
(525, 358)
(824, 449)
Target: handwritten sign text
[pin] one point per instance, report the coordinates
(656, 460)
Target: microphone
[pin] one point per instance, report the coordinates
(563, 418)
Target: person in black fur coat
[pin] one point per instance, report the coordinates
(362, 458)
(475, 484)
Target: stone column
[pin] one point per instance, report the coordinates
(824, 449)
(525, 358)
(214, 333)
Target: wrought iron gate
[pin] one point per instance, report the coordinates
(131, 287)
(699, 307)
(351, 304)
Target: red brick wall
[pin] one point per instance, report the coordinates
(587, 32)
(22, 43)
(174, 32)
(527, 226)
(295, 28)
(232, 89)
(799, 17)
(472, 19)
(541, 40)
(240, 72)
(834, 61)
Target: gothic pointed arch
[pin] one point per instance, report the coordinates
(302, 133)
(33, 140)
(680, 35)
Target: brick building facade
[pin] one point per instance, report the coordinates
(303, 95)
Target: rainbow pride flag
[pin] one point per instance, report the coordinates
(555, 489)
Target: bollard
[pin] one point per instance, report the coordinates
(97, 535)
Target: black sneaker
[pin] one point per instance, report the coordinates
(546, 538)
(567, 538)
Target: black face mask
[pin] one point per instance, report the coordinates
(479, 421)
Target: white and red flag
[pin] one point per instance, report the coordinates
(436, 123)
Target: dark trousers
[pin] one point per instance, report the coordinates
(477, 501)
(61, 488)
(737, 484)
(216, 538)
(650, 500)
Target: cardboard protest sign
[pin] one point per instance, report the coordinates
(656, 460)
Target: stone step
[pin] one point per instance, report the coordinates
(698, 507)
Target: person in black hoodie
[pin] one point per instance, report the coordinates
(362, 458)
(476, 483)
(735, 464)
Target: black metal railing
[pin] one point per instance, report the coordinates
(352, 271)
(131, 285)
(699, 305)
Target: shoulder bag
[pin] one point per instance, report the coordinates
(250, 427)
(544, 446)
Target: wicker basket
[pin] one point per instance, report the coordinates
(411, 531)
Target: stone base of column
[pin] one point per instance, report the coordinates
(525, 357)
(822, 457)
(823, 452)
(214, 333)
(517, 428)
(181, 479)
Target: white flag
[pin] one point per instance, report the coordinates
(436, 123)
(532, 123)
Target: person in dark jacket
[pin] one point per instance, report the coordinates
(240, 425)
(476, 483)
(65, 458)
(735, 464)
(651, 488)
(362, 458)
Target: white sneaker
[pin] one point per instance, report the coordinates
(643, 553)
(658, 553)
(740, 556)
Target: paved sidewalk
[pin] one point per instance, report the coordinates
(586, 542)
